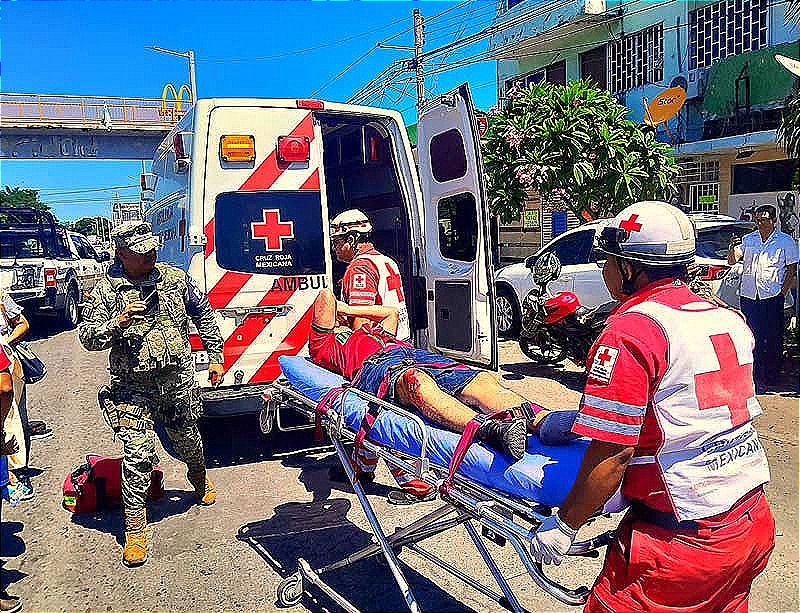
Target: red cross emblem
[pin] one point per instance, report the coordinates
(272, 230)
(630, 224)
(731, 385)
(604, 357)
(395, 283)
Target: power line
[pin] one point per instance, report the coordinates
(325, 45)
(50, 192)
(346, 69)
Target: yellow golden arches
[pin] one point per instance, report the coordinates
(177, 96)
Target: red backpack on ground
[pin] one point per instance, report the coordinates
(97, 485)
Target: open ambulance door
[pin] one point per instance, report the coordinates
(460, 291)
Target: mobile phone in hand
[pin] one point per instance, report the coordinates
(148, 295)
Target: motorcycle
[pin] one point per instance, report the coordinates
(558, 327)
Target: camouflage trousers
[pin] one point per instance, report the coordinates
(131, 406)
(139, 457)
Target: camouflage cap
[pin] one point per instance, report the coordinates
(137, 236)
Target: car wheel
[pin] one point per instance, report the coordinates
(507, 313)
(71, 313)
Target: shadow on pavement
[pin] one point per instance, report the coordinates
(11, 545)
(320, 533)
(110, 521)
(44, 327)
(574, 380)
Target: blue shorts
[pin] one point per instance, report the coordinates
(450, 376)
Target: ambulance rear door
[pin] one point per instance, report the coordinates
(460, 292)
(264, 218)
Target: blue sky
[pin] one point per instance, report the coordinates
(98, 48)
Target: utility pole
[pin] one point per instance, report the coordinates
(416, 63)
(419, 41)
(188, 55)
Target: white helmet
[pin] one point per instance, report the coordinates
(349, 221)
(650, 232)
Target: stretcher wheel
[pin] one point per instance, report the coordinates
(290, 591)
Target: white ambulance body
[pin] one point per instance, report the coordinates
(244, 192)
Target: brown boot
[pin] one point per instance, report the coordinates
(205, 490)
(135, 552)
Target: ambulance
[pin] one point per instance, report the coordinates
(243, 191)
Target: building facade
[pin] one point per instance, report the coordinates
(721, 53)
(125, 211)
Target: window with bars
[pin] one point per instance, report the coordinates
(699, 184)
(636, 59)
(726, 28)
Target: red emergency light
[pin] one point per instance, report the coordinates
(294, 148)
(311, 105)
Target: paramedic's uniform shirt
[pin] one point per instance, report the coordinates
(344, 351)
(374, 278)
(641, 376)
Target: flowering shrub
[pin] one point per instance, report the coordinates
(572, 143)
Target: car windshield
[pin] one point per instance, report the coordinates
(713, 242)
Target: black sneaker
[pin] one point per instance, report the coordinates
(402, 497)
(39, 429)
(509, 436)
(336, 473)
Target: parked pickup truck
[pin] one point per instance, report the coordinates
(44, 267)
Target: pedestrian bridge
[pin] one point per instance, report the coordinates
(34, 126)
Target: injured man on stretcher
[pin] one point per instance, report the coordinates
(443, 390)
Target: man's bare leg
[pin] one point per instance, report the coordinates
(487, 394)
(419, 390)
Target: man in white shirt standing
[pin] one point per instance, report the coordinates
(769, 257)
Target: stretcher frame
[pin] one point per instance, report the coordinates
(502, 518)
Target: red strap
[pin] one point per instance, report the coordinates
(466, 440)
(322, 408)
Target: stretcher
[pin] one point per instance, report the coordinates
(489, 495)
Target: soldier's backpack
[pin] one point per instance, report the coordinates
(97, 485)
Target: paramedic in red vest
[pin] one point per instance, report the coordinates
(669, 405)
(371, 277)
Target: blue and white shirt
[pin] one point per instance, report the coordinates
(765, 263)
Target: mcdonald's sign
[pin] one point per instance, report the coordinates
(176, 111)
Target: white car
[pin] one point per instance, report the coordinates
(581, 275)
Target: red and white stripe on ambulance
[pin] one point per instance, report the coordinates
(254, 342)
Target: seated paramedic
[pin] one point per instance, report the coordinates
(443, 390)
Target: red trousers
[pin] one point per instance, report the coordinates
(708, 570)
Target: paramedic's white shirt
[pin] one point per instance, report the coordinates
(765, 263)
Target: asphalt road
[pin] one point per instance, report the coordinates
(276, 504)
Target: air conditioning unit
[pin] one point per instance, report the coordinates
(693, 82)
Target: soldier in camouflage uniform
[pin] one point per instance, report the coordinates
(152, 369)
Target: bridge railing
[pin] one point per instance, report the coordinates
(91, 110)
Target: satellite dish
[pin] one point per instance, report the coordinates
(790, 64)
(665, 106)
